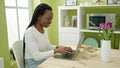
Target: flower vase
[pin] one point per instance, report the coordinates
(106, 50)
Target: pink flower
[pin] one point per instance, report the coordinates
(109, 25)
(106, 30)
(102, 25)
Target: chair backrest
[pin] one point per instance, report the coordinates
(18, 53)
(91, 41)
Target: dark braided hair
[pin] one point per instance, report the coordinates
(39, 10)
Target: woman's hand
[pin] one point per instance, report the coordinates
(62, 49)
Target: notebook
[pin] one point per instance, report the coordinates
(70, 56)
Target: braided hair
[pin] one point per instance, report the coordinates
(39, 10)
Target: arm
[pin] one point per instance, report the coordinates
(33, 49)
(51, 47)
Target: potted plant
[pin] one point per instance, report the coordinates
(105, 32)
(12, 54)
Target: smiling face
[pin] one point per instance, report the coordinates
(46, 19)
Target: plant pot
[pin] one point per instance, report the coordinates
(106, 50)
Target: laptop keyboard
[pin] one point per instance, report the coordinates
(69, 55)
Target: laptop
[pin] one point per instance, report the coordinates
(70, 56)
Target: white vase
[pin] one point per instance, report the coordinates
(106, 50)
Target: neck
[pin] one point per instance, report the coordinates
(39, 28)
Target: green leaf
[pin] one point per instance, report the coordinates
(105, 35)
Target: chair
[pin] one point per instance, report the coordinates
(91, 41)
(18, 53)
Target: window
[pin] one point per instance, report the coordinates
(18, 18)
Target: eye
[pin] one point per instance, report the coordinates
(49, 18)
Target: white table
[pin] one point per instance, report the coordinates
(84, 60)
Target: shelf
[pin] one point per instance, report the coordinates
(86, 30)
(68, 7)
(96, 31)
(71, 34)
(68, 27)
(76, 7)
(99, 5)
(117, 32)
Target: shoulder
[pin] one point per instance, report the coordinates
(30, 30)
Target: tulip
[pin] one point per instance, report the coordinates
(109, 26)
(102, 25)
(106, 28)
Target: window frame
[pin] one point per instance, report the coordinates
(16, 7)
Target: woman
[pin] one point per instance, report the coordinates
(37, 45)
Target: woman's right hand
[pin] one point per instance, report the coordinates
(62, 49)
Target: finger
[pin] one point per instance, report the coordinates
(68, 52)
(68, 49)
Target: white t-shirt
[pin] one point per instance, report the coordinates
(37, 45)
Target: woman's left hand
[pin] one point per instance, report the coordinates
(68, 49)
(63, 49)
